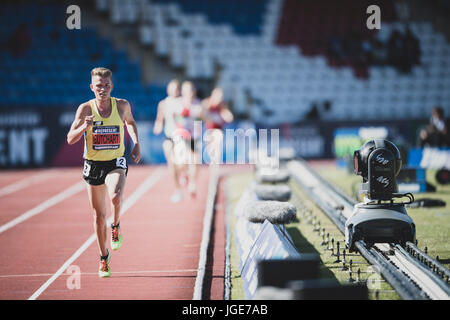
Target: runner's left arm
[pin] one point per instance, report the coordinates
(226, 115)
(132, 130)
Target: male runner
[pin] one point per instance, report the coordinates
(191, 111)
(100, 122)
(168, 108)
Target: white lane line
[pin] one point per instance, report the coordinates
(131, 200)
(23, 183)
(95, 273)
(44, 205)
(206, 234)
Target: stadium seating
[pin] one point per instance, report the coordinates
(271, 58)
(244, 16)
(309, 26)
(285, 67)
(55, 69)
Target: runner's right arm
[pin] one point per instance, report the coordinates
(83, 120)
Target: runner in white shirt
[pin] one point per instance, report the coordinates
(168, 108)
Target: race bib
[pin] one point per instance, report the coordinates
(106, 138)
(121, 162)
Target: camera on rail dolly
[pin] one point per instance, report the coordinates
(378, 219)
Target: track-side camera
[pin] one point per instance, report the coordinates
(378, 219)
(378, 162)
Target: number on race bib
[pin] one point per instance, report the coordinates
(121, 162)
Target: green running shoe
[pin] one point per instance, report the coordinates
(116, 237)
(105, 271)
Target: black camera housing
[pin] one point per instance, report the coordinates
(379, 162)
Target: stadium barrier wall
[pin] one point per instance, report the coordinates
(36, 137)
(429, 158)
(313, 139)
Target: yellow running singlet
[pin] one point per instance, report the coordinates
(104, 140)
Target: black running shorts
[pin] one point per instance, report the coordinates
(95, 172)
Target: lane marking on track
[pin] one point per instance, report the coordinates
(44, 205)
(95, 273)
(131, 200)
(26, 182)
(206, 234)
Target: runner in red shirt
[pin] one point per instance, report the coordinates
(216, 115)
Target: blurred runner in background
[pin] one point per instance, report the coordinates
(216, 115)
(189, 133)
(168, 109)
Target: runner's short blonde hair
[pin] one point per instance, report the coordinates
(102, 72)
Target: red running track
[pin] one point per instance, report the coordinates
(159, 256)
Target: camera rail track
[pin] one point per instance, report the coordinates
(412, 273)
